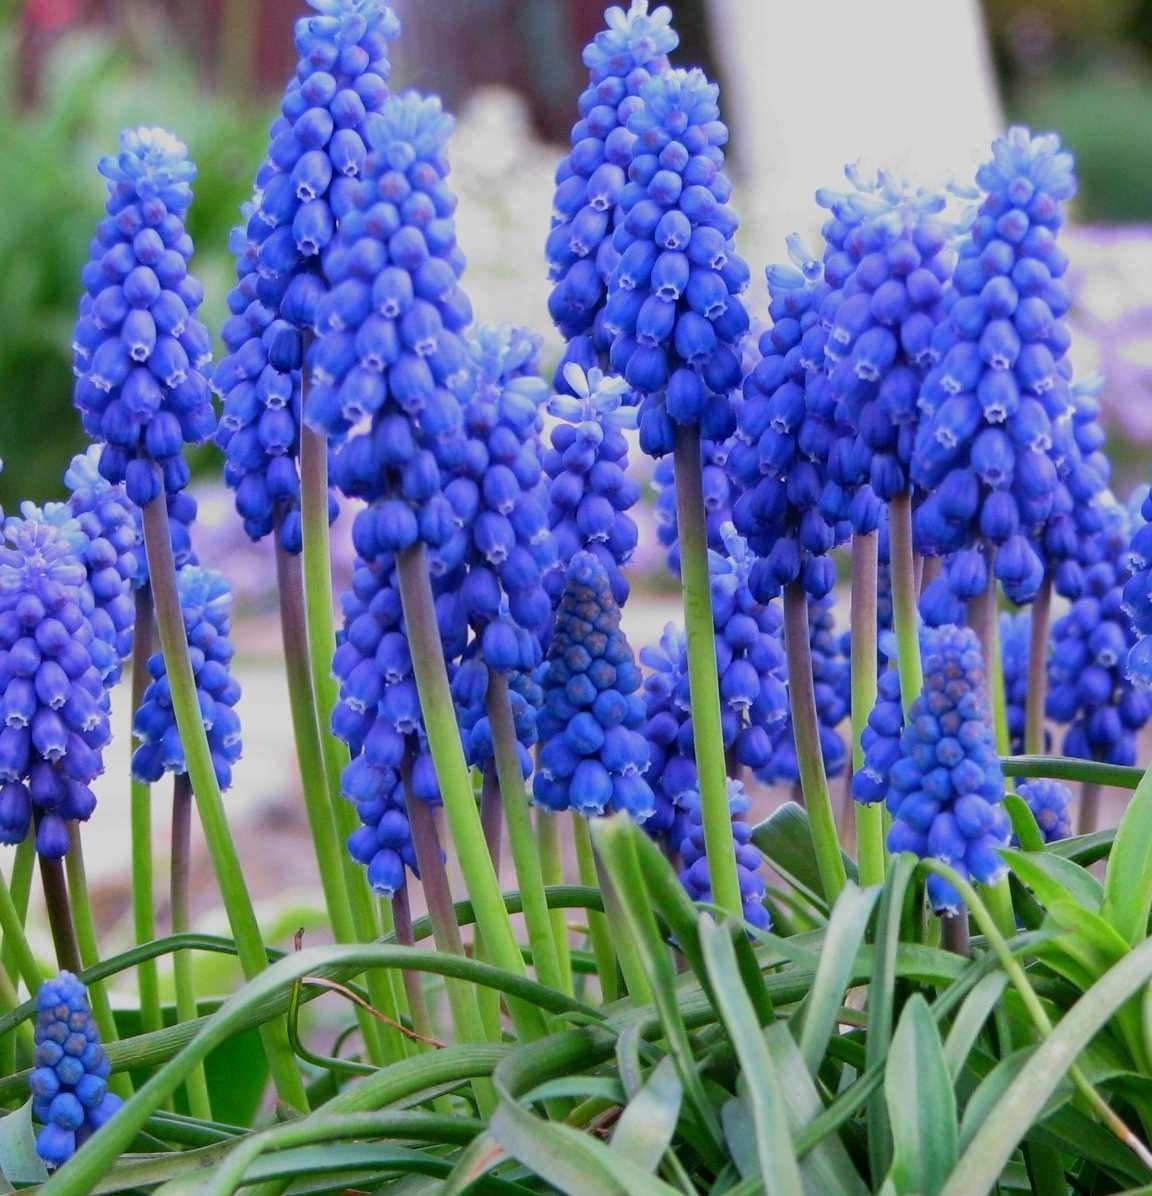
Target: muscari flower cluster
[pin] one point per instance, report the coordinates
(138, 351)
(206, 603)
(593, 757)
(307, 184)
(1050, 803)
(389, 366)
(941, 781)
(1015, 647)
(590, 492)
(378, 717)
(994, 430)
(52, 695)
(69, 1078)
(718, 499)
(1136, 596)
(591, 177)
(674, 311)
(1088, 686)
(470, 692)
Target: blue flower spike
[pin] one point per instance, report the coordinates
(139, 353)
(593, 757)
(206, 603)
(69, 1077)
(1051, 806)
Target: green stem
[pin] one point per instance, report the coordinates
(1036, 698)
(16, 943)
(59, 909)
(455, 782)
(180, 881)
(869, 818)
(521, 838)
(998, 898)
(598, 932)
(623, 938)
(198, 755)
(809, 757)
(81, 902)
(140, 818)
(317, 800)
(1061, 768)
(18, 891)
(10, 1000)
(703, 679)
(552, 865)
(905, 612)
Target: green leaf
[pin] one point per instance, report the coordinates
(740, 1136)
(785, 838)
(1066, 768)
(779, 1169)
(975, 1011)
(237, 1074)
(921, 1104)
(19, 1162)
(1128, 880)
(1023, 823)
(648, 1123)
(1053, 878)
(846, 927)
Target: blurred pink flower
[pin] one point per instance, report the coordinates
(49, 16)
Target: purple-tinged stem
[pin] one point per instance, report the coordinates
(905, 612)
(1088, 818)
(60, 915)
(931, 571)
(413, 986)
(955, 935)
(492, 814)
(1036, 697)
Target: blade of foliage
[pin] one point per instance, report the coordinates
(646, 1127)
(19, 1162)
(846, 928)
(1128, 880)
(921, 1103)
(966, 1027)
(1067, 768)
(740, 1135)
(1085, 849)
(1023, 823)
(785, 839)
(670, 901)
(1053, 878)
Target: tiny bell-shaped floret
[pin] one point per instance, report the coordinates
(69, 1077)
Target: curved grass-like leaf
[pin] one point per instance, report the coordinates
(1023, 823)
(1128, 880)
(646, 1127)
(1053, 878)
(1066, 768)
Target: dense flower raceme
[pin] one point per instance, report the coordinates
(389, 367)
(779, 454)
(317, 150)
(1088, 686)
(378, 717)
(995, 427)
(489, 575)
(69, 1079)
(943, 785)
(206, 603)
(1137, 592)
(470, 692)
(593, 757)
(52, 694)
(594, 172)
(139, 351)
(1015, 643)
(590, 493)
(674, 311)
(1050, 803)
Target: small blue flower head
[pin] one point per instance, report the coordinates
(52, 696)
(881, 736)
(489, 574)
(1137, 592)
(945, 790)
(779, 455)
(995, 430)
(590, 492)
(206, 602)
(139, 353)
(69, 1078)
(1015, 641)
(694, 873)
(593, 756)
(674, 311)
(1050, 803)
(525, 695)
(591, 177)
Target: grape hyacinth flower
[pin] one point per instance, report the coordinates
(880, 738)
(694, 875)
(945, 789)
(378, 717)
(470, 691)
(53, 699)
(69, 1079)
(206, 603)
(139, 353)
(1050, 803)
(994, 427)
(305, 187)
(674, 310)
(593, 756)
(593, 174)
(590, 492)
(1015, 636)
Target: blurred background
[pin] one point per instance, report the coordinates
(805, 87)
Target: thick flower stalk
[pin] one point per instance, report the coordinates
(590, 493)
(593, 757)
(594, 173)
(139, 351)
(717, 488)
(317, 151)
(995, 428)
(206, 604)
(944, 787)
(1051, 804)
(53, 698)
(69, 1079)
